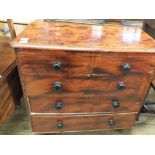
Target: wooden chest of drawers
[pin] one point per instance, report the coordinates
(10, 87)
(84, 77)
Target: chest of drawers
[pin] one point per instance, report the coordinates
(84, 77)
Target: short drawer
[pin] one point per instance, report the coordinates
(69, 105)
(55, 63)
(75, 123)
(119, 85)
(119, 64)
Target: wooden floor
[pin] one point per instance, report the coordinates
(19, 123)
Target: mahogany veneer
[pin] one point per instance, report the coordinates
(79, 77)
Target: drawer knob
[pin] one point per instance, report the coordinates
(121, 85)
(126, 67)
(57, 86)
(59, 124)
(115, 104)
(56, 65)
(59, 105)
(112, 122)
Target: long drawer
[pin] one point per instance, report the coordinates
(68, 123)
(120, 85)
(106, 104)
(55, 63)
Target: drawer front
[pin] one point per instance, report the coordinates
(55, 124)
(107, 104)
(54, 86)
(55, 63)
(113, 64)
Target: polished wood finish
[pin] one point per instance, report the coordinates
(71, 63)
(35, 63)
(10, 88)
(7, 57)
(85, 105)
(83, 37)
(78, 77)
(76, 123)
(41, 85)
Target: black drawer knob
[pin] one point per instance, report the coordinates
(111, 122)
(56, 65)
(59, 124)
(126, 67)
(57, 86)
(115, 104)
(121, 85)
(58, 105)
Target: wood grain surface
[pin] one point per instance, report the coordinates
(37, 64)
(89, 86)
(34, 62)
(10, 88)
(83, 105)
(7, 56)
(48, 124)
(70, 36)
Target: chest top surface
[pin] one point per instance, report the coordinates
(83, 37)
